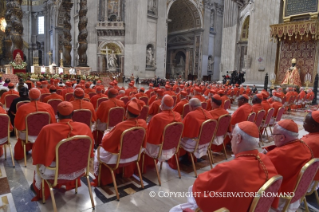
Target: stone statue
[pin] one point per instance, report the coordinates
(149, 57)
(212, 20)
(292, 76)
(210, 64)
(18, 60)
(151, 5)
(181, 61)
(112, 64)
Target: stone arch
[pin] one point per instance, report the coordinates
(118, 43)
(244, 29)
(191, 12)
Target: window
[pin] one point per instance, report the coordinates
(41, 25)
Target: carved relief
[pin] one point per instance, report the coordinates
(150, 59)
(152, 7)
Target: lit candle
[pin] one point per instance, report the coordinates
(61, 55)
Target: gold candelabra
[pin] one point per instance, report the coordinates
(272, 83)
(307, 83)
(61, 60)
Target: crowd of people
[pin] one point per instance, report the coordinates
(247, 172)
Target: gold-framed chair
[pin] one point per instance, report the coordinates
(115, 116)
(5, 135)
(227, 104)
(144, 99)
(266, 122)
(91, 94)
(171, 138)
(207, 133)
(69, 149)
(125, 99)
(261, 202)
(68, 96)
(251, 117)
(100, 100)
(83, 115)
(19, 104)
(34, 122)
(133, 139)
(54, 104)
(314, 190)
(186, 110)
(43, 96)
(144, 113)
(8, 100)
(306, 175)
(258, 121)
(280, 112)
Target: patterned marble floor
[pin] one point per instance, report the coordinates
(15, 193)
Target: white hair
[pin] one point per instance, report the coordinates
(194, 102)
(289, 135)
(276, 99)
(249, 140)
(121, 92)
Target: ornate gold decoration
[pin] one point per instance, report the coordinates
(300, 28)
(3, 24)
(245, 30)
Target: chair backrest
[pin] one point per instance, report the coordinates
(125, 99)
(260, 117)
(19, 104)
(204, 105)
(251, 117)
(144, 112)
(68, 96)
(152, 93)
(4, 126)
(144, 99)
(227, 104)
(305, 178)
(34, 122)
(262, 203)
(54, 104)
(223, 125)
(59, 91)
(83, 116)
(283, 100)
(73, 155)
(43, 96)
(269, 115)
(207, 131)
(177, 90)
(172, 134)
(85, 99)
(9, 98)
(186, 110)
(174, 98)
(280, 112)
(29, 85)
(2, 91)
(131, 142)
(115, 116)
(231, 93)
(92, 94)
(100, 100)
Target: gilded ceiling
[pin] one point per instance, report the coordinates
(183, 15)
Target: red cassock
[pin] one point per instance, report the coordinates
(276, 106)
(266, 105)
(209, 105)
(152, 99)
(200, 97)
(43, 151)
(86, 96)
(94, 99)
(6, 93)
(302, 94)
(257, 108)
(2, 111)
(89, 90)
(140, 94)
(224, 98)
(111, 143)
(67, 90)
(180, 106)
(148, 93)
(154, 107)
(241, 91)
(241, 114)
(312, 139)
(155, 131)
(171, 93)
(232, 177)
(53, 96)
(19, 123)
(192, 124)
(288, 160)
(44, 90)
(82, 104)
(248, 91)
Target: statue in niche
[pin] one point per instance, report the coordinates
(181, 61)
(210, 64)
(150, 57)
(112, 61)
(151, 5)
(212, 16)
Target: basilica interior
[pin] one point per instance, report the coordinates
(147, 40)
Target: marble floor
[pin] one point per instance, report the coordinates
(15, 193)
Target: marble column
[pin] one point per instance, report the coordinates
(100, 62)
(187, 60)
(17, 27)
(67, 47)
(83, 34)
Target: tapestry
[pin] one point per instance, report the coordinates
(304, 52)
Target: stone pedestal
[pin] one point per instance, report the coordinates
(83, 70)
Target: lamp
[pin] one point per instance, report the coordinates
(3, 24)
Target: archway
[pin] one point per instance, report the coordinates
(184, 38)
(111, 51)
(243, 43)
